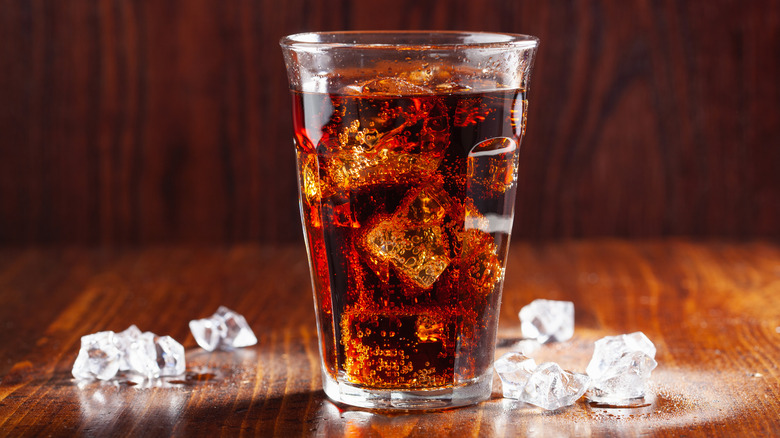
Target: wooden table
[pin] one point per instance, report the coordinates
(711, 308)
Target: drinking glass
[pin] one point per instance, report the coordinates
(407, 146)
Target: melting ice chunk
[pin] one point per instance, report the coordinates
(620, 368)
(547, 385)
(548, 320)
(225, 330)
(98, 357)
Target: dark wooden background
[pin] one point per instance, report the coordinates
(137, 122)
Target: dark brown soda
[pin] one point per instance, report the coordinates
(397, 197)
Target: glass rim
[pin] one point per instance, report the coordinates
(378, 39)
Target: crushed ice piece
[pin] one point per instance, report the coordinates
(514, 369)
(98, 357)
(548, 320)
(620, 368)
(169, 356)
(527, 346)
(547, 386)
(225, 330)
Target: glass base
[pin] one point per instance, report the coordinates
(473, 392)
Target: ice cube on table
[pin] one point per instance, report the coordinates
(169, 356)
(548, 320)
(138, 352)
(123, 340)
(620, 368)
(207, 332)
(239, 334)
(225, 330)
(514, 369)
(551, 387)
(547, 385)
(98, 358)
(104, 354)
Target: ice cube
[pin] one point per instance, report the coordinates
(170, 355)
(398, 145)
(225, 329)
(427, 207)
(103, 354)
(480, 261)
(123, 340)
(492, 165)
(420, 75)
(514, 369)
(429, 329)
(379, 350)
(138, 353)
(98, 357)
(451, 87)
(206, 332)
(393, 86)
(308, 169)
(548, 320)
(413, 239)
(620, 368)
(550, 387)
(339, 212)
(239, 334)
(417, 252)
(547, 385)
(351, 170)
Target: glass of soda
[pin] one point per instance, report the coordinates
(407, 146)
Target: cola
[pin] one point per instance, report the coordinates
(406, 195)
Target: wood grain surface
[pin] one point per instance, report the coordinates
(135, 122)
(712, 309)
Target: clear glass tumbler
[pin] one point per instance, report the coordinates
(407, 146)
